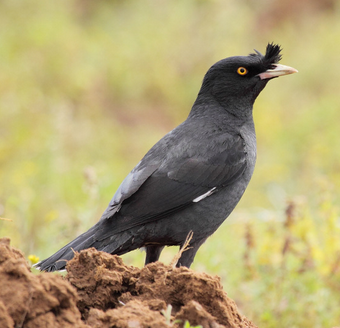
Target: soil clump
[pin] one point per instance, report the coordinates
(100, 291)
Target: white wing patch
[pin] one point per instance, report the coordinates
(208, 193)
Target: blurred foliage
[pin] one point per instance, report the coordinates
(286, 273)
(86, 87)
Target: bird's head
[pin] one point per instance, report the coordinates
(235, 82)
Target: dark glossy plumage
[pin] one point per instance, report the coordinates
(192, 178)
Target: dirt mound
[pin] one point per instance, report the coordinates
(101, 291)
(28, 300)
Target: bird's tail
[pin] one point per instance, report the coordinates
(104, 236)
(58, 260)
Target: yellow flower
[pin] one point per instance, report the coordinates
(33, 258)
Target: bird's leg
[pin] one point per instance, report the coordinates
(152, 253)
(188, 255)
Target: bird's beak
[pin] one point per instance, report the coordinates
(277, 71)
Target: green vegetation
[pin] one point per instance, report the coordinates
(187, 325)
(87, 87)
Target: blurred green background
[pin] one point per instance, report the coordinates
(87, 87)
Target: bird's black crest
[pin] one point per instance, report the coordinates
(273, 53)
(272, 56)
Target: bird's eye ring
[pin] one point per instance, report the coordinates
(242, 71)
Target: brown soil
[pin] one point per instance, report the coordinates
(101, 291)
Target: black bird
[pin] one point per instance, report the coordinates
(192, 179)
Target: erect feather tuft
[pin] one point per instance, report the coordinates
(272, 56)
(273, 53)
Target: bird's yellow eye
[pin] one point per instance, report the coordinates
(242, 71)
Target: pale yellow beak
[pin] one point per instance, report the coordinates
(279, 70)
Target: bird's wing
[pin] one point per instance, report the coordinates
(133, 181)
(163, 185)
